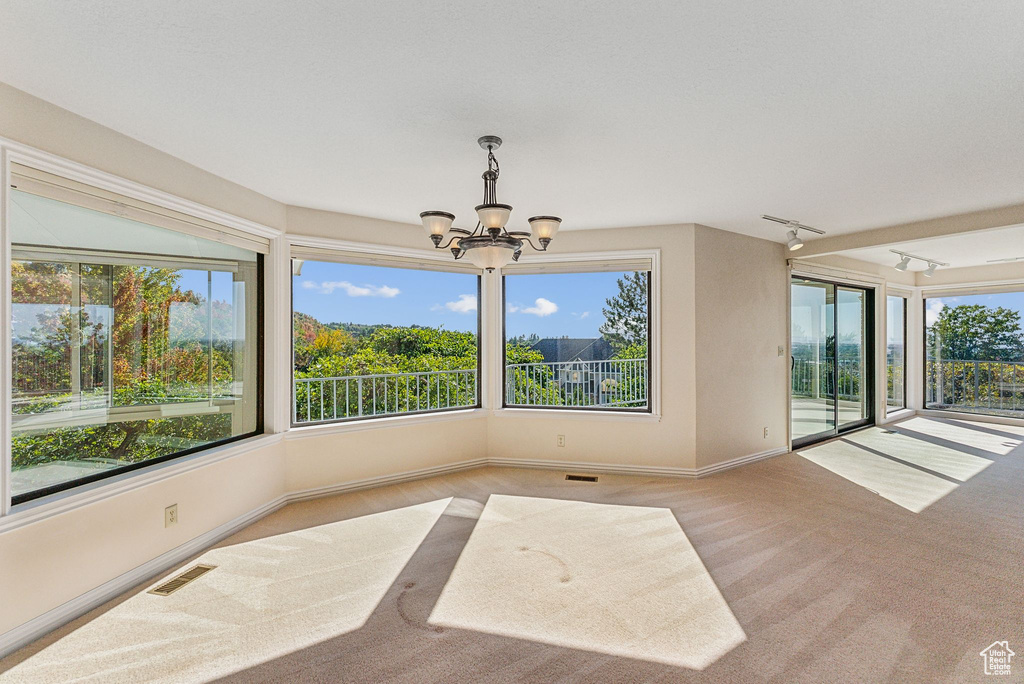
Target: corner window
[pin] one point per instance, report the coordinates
(974, 346)
(372, 341)
(578, 340)
(132, 343)
(896, 350)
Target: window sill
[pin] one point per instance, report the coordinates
(577, 414)
(382, 423)
(976, 417)
(898, 414)
(62, 502)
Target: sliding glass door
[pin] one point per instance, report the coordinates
(832, 359)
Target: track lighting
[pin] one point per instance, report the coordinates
(794, 242)
(905, 258)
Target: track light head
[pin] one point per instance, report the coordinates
(904, 263)
(794, 243)
(930, 271)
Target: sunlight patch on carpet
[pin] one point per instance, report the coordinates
(620, 580)
(265, 599)
(901, 484)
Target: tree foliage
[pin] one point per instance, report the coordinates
(626, 313)
(977, 332)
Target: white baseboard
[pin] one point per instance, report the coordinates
(39, 626)
(370, 482)
(622, 469)
(52, 619)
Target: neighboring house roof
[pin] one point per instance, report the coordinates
(561, 349)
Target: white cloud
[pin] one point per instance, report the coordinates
(541, 307)
(581, 316)
(465, 304)
(933, 310)
(328, 287)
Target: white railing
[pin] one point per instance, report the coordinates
(975, 385)
(612, 383)
(319, 400)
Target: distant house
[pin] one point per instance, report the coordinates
(561, 349)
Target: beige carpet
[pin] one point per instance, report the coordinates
(621, 580)
(828, 580)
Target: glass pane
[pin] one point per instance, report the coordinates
(851, 351)
(118, 363)
(378, 341)
(813, 345)
(975, 354)
(895, 355)
(577, 340)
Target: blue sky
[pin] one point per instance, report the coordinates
(1008, 300)
(548, 305)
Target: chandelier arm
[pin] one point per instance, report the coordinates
(542, 248)
(454, 238)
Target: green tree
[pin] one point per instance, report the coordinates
(626, 313)
(977, 332)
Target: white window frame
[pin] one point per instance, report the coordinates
(13, 152)
(329, 249)
(578, 263)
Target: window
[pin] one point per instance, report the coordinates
(975, 353)
(131, 343)
(379, 341)
(895, 355)
(578, 340)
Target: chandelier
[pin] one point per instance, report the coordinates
(490, 245)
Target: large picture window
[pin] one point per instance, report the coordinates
(896, 352)
(371, 341)
(131, 343)
(975, 353)
(578, 340)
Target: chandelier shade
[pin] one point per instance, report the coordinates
(490, 245)
(437, 222)
(493, 215)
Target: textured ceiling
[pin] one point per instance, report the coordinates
(844, 116)
(967, 249)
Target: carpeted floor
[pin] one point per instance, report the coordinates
(838, 563)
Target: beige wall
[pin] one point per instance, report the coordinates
(47, 563)
(741, 313)
(668, 443)
(31, 121)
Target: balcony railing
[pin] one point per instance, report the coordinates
(975, 386)
(576, 384)
(318, 400)
(814, 378)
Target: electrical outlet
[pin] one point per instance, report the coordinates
(560, 441)
(782, 350)
(766, 433)
(171, 515)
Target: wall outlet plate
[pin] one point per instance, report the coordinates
(171, 515)
(560, 441)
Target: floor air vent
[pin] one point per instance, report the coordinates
(582, 478)
(173, 585)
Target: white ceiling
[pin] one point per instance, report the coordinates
(967, 249)
(844, 116)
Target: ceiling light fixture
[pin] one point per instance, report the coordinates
(1004, 261)
(490, 245)
(905, 263)
(794, 242)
